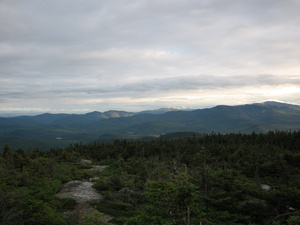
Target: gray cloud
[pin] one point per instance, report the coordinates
(56, 51)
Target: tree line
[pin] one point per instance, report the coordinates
(213, 179)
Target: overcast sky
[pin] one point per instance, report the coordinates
(86, 55)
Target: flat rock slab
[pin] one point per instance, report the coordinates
(98, 168)
(81, 191)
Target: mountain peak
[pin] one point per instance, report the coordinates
(281, 105)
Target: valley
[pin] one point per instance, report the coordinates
(60, 130)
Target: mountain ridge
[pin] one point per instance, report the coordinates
(256, 117)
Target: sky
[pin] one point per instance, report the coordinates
(78, 56)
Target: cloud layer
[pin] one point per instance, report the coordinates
(77, 56)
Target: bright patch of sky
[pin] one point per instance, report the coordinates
(77, 56)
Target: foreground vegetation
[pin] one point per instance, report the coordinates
(214, 179)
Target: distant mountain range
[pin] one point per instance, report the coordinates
(57, 130)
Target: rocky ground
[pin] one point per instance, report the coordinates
(83, 193)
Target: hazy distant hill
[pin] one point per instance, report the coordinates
(61, 129)
(159, 111)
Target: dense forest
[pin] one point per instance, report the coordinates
(213, 179)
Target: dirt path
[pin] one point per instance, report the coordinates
(83, 193)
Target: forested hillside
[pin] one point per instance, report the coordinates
(59, 130)
(213, 179)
